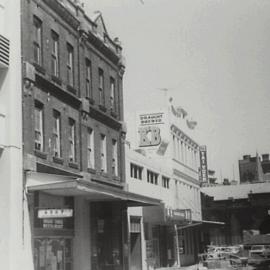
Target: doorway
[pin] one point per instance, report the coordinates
(135, 251)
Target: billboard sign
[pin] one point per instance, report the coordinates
(203, 165)
(151, 128)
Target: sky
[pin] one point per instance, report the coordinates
(212, 55)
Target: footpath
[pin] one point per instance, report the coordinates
(201, 267)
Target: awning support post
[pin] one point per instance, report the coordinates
(177, 246)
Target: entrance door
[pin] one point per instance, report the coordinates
(52, 254)
(135, 251)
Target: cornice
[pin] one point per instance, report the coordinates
(63, 12)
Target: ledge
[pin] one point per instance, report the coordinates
(104, 174)
(102, 108)
(116, 178)
(91, 100)
(71, 89)
(73, 165)
(105, 118)
(39, 68)
(56, 79)
(40, 154)
(113, 114)
(91, 170)
(58, 91)
(58, 160)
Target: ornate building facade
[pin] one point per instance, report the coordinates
(73, 134)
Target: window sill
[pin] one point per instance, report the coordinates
(102, 108)
(58, 160)
(40, 154)
(91, 170)
(113, 114)
(104, 174)
(73, 165)
(39, 68)
(116, 178)
(91, 100)
(56, 79)
(71, 89)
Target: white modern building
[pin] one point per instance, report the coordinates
(165, 166)
(11, 196)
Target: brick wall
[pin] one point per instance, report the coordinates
(58, 96)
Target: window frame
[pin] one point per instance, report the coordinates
(115, 171)
(55, 63)
(112, 94)
(152, 177)
(57, 134)
(101, 86)
(72, 140)
(88, 78)
(165, 181)
(136, 171)
(37, 43)
(70, 65)
(39, 108)
(90, 149)
(103, 152)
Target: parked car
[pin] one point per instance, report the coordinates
(260, 249)
(258, 260)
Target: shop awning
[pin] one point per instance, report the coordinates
(208, 223)
(71, 186)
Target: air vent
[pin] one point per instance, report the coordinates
(4, 52)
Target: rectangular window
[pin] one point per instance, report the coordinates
(112, 94)
(55, 54)
(37, 41)
(56, 134)
(90, 149)
(88, 76)
(101, 87)
(136, 171)
(114, 157)
(70, 65)
(152, 177)
(165, 182)
(103, 152)
(39, 128)
(71, 140)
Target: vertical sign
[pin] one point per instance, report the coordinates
(203, 165)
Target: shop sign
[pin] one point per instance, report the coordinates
(203, 165)
(49, 223)
(182, 214)
(55, 213)
(179, 214)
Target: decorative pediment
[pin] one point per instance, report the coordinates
(100, 25)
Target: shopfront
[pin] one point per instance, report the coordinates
(53, 232)
(78, 224)
(106, 235)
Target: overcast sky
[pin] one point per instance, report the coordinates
(213, 55)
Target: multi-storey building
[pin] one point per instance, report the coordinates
(242, 208)
(172, 231)
(73, 134)
(249, 169)
(10, 137)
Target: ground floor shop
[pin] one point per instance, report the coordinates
(159, 240)
(74, 225)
